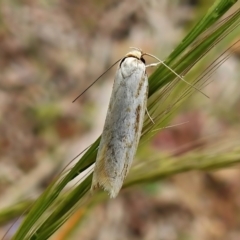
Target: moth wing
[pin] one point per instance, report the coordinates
(123, 126)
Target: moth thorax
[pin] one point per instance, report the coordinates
(136, 54)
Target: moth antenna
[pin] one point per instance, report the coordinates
(96, 80)
(150, 55)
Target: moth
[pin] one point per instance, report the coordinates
(123, 124)
(124, 121)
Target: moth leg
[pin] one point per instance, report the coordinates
(153, 64)
(150, 116)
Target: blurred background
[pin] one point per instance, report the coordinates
(50, 51)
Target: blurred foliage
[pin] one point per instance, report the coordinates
(181, 60)
(48, 45)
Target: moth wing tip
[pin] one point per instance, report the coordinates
(106, 186)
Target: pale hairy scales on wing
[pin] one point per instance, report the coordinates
(123, 124)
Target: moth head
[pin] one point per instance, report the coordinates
(136, 53)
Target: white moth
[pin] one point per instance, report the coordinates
(123, 124)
